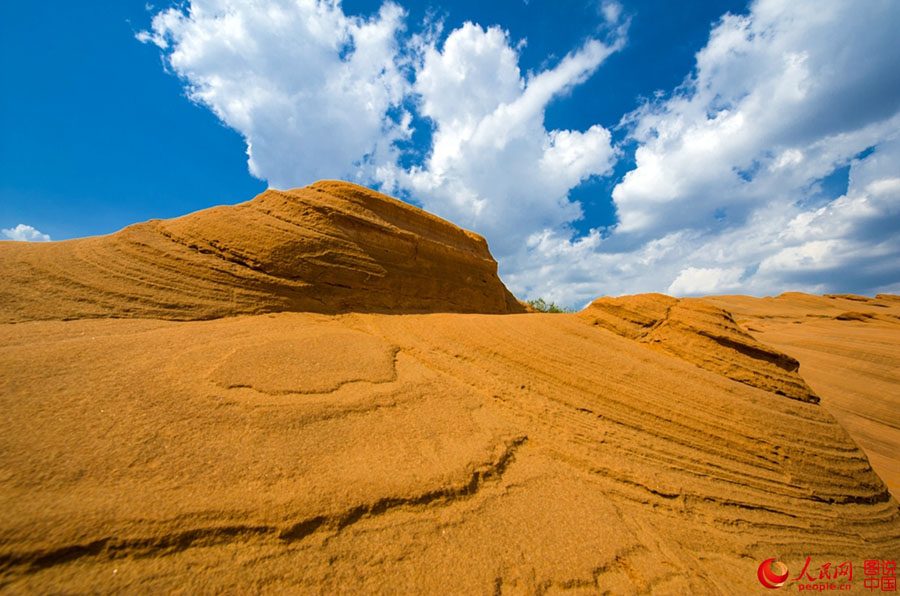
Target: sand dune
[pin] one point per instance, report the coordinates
(644, 446)
(703, 334)
(849, 347)
(330, 247)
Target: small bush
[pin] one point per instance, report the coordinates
(542, 305)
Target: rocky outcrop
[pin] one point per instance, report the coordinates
(330, 247)
(849, 350)
(702, 334)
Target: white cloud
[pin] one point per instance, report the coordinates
(494, 167)
(307, 86)
(699, 281)
(847, 242)
(730, 165)
(25, 233)
(611, 11)
(780, 97)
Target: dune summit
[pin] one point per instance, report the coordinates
(646, 445)
(329, 247)
(703, 334)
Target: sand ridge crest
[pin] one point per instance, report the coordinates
(329, 247)
(849, 349)
(702, 334)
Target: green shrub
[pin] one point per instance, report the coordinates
(542, 305)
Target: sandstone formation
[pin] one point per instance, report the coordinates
(849, 349)
(359, 451)
(330, 247)
(702, 334)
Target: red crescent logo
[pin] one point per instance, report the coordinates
(769, 577)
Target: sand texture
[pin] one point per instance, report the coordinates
(329, 247)
(643, 446)
(849, 347)
(703, 334)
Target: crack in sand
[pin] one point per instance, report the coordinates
(482, 474)
(171, 543)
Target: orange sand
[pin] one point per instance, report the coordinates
(849, 349)
(365, 452)
(330, 247)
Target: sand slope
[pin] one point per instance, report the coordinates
(703, 334)
(433, 453)
(849, 349)
(329, 247)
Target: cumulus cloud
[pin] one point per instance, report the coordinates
(25, 233)
(726, 193)
(849, 243)
(493, 166)
(780, 98)
(699, 281)
(308, 87)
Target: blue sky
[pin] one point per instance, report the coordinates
(601, 147)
